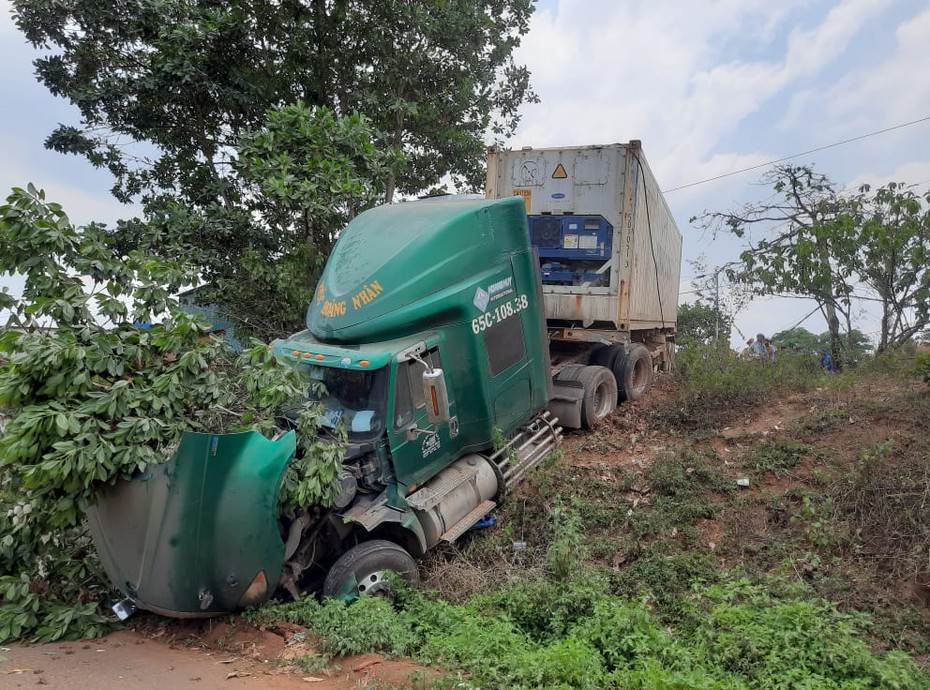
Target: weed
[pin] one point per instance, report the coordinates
(566, 550)
(814, 516)
(311, 663)
(683, 474)
(715, 387)
(819, 422)
(777, 455)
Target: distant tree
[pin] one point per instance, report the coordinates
(893, 258)
(856, 344)
(809, 249)
(701, 323)
(799, 339)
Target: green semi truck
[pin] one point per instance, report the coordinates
(429, 333)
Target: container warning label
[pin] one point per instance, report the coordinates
(559, 172)
(527, 195)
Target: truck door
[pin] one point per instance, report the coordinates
(418, 455)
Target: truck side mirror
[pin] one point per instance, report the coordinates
(436, 395)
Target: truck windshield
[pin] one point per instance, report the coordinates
(351, 398)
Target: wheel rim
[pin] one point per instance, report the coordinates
(640, 375)
(601, 402)
(375, 584)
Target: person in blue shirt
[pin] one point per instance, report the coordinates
(826, 361)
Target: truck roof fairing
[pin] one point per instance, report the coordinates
(392, 257)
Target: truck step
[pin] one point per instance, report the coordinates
(460, 527)
(429, 496)
(528, 448)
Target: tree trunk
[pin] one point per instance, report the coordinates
(836, 344)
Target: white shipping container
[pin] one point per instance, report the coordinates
(630, 286)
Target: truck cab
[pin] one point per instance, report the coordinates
(427, 334)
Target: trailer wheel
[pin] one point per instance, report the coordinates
(634, 373)
(600, 394)
(364, 569)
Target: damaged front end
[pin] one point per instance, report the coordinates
(198, 535)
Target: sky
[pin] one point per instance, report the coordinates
(709, 88)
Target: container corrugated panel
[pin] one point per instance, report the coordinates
(653, 294)
(608, 181)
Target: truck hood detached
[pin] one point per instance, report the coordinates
(197, 536)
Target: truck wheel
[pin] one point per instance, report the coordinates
(606, 355)
(600, 394)
(634, 373)
(569, 372)
(364, 569)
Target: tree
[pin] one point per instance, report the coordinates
(303, 175)
(701, 323)
(810, 251)
(855, 344)
(799, 339)
(237, 124)
(88, 397)
(893, 258)
(182, 81)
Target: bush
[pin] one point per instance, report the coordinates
(90, 397)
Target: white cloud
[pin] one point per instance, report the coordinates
(883, 93)
(715, 87)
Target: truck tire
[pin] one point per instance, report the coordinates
(569, 372)
(634, 373)
(363, 569)
(600, 394)
(607, 355)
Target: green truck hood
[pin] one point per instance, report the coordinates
(392, 260)
(198, 535)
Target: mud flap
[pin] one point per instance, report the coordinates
(197, 536)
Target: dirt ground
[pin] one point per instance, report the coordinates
(148, 658)
(158, 654)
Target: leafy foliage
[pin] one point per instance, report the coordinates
(854, 344)
(90, 397)
(300, 177)
(751, 639)
(894, 257)
(701, 323)
(923, 366)
(191, 78)
(184, 104)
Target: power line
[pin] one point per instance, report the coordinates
(795, 155)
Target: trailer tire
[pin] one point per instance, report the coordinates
(600, 394)
(363, 570)
(634, 373)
